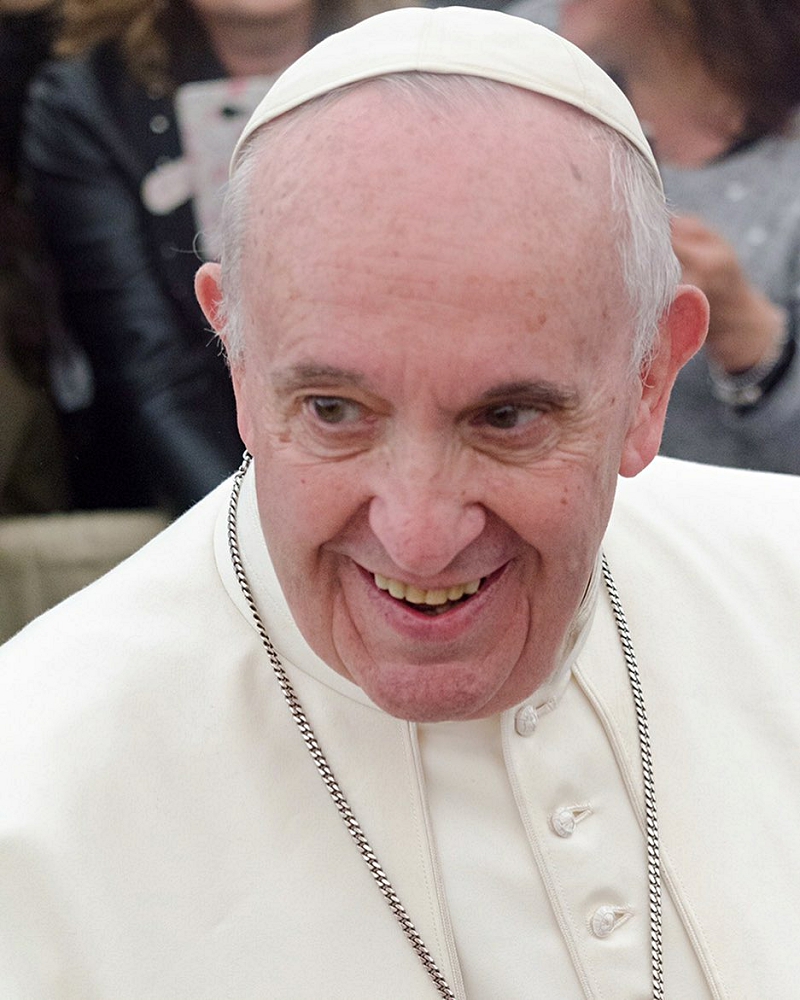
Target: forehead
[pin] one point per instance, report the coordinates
(381, 138)
(488, 207)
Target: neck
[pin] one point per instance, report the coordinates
(690, 118)
(254, 45)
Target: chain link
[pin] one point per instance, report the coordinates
(354, 827)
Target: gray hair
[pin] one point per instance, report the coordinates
(650, 270)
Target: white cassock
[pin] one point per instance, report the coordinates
(164, 834)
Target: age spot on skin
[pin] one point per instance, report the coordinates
(536, 323)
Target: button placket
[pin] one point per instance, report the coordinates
(584, 837)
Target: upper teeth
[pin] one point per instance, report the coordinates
(406, 592)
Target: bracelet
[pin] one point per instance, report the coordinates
(747, 388)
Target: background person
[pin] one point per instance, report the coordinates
(716, 84)
(32, 472)
(151, 416)
(47, 550)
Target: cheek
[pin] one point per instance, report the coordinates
(562, 511)
(303, 506)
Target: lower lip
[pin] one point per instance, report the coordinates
(445, 626)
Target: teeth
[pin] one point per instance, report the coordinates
(431, 598)
(435, 597)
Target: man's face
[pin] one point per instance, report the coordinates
(435, 390)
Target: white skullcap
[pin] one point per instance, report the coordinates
(464, 40)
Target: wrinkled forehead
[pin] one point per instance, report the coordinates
(452, 41)
(386, 213)
(438, 159)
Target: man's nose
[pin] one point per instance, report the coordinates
(423, 521)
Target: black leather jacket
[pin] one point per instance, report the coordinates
(161, 387)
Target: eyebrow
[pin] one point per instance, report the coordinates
(303, 376)
(539, 391)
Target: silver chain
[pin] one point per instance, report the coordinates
(650, 814)
(354, 827)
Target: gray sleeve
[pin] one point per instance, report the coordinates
(701, 428)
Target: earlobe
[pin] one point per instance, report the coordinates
(680, 335)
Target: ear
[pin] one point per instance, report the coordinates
(208, 289)
(680, 335)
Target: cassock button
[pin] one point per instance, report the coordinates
(525, 721)
(565, 819)
(606, 919)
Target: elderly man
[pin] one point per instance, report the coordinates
(367, 722)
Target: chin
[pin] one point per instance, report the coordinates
(435, 694)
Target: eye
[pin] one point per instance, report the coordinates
(334, 409)
(509, 416)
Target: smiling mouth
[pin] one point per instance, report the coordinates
(429, 602)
